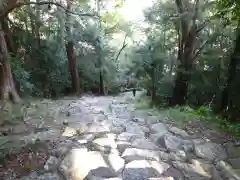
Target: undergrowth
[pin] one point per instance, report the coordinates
(185, 114)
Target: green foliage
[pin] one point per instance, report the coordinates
(186, 114)
(142, 103)
(152, 57)
(211, 66)
(206, 114)
(150, 62)
(111, 22)
(229, 10)
(21, 75)
(44, 71)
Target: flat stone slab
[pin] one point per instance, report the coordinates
(131, 154)
(142, 169)
(98, 128)
(105, 142)
(179, 132)
(197, 170)
(226, 171)
(159, 128)
(126, 136)
(122, 145)
(80, 164)
(134, 128)
(210, 151)
(170, 142)
(144, 144)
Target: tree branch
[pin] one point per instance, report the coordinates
(195, 15)
(18, 4)
(180, 7)
(199, 50)
(123, 46)
(202, 26)
(184, 23)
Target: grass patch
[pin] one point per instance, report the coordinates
(29, 109)
(206, 114)
(143, 103)
(185, 114)
(179, 114)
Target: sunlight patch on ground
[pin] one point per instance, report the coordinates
(86, 163)
(69, 132)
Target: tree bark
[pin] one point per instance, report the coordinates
(73, 67)
(187, 36)
(183, 75)
(11, 50)
(7, 88)
(101, 84)
(180, 89)
(70, 53)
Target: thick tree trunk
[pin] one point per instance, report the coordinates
(179, 95)
(185, 56)
(180, 89)
(8, 91)
(8, 40)
(70, 53)
(187, 35)
(73, 67)
(7, 88)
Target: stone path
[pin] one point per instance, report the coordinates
(104, 138)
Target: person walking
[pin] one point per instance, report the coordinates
(134, 92)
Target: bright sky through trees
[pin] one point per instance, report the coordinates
(132, 10)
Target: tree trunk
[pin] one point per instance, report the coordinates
(7, 88)
(70, 53)
(180, 89)
(185, 54)
(73, 67)
(153, 94)
(8, 40)
(101, 84)
(187, 35)
(225, 99)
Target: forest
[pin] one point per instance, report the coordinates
(187, 55)
(67, 69)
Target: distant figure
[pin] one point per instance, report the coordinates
(134, 92)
